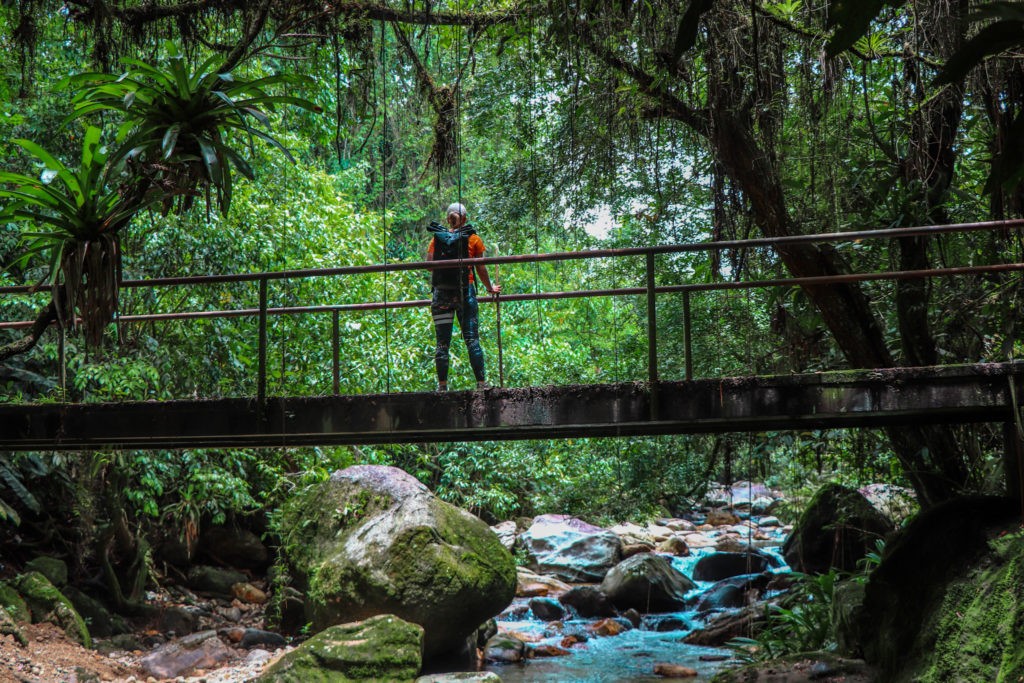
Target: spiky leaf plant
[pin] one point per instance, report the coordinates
(181, 120)
(72, 218)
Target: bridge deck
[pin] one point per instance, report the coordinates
(965, 393)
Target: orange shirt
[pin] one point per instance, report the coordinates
(476, 250)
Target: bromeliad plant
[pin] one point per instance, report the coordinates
(180, 121)
(74, 216)
(178, 137)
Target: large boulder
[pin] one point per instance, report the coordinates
(570, 548)
(947, 601)
(647, 583)
(838, 528)
(588, 602)
(373, 540)
(55, 570)
(382, 648)
(718, 566)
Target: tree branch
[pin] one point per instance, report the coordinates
(668, 104)
(149, 13)
(47, 316)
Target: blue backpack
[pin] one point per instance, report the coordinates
(450, 245)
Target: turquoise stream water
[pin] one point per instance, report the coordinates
(630, 656)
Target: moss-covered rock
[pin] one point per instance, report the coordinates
(800, 668)
(979, 629)
(382, 648)
(48, 604)
(55, 570)
(15, 605)
(373, 540)
(9, 628)
(837, 529)
(947, 601)
(102, 624)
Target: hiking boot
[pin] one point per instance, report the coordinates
(442, 386)
(481, 385)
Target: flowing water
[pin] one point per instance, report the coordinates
(628, 657)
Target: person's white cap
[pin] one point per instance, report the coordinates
(456, 208)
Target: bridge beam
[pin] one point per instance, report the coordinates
(967, 393)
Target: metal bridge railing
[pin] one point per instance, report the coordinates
(651, 290)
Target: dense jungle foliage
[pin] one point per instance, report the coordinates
(218, 137)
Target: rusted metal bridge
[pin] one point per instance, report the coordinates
(982, 392)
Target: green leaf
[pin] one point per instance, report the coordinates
(66, 176)
(851, 19)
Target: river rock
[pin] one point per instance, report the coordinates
(665, 622)
(47, 604)
(725, 626)
(547, 609)
(647, 583)
(382, 647)
(721, 518)
(505, 648)
(696, 540)
(571, 549)
(763, 505)
(745, 492)
(55, 570)
(373, 540)
(895, 502)
(733, 592)
(680, 525)
(102, 624)
(232, 547)
(837, 529)
(609, 627)
(254, 637)
(666, 670)
(718, 566)
(9, 628)
(589, 602)
(507, 533)
(548, 650)
(201, 650)
(530, 584)
(674, 545)
(216, 581)
(461, 677)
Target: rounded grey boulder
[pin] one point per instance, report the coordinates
(374, 540)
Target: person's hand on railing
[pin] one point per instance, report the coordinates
(494, 289)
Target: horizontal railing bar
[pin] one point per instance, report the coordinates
(577, 294)
(561, 256)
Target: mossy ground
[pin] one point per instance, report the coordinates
(978, 634)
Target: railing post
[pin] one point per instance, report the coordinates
(335, 351)
(62, 360)
(261, 371)
(652, 323)
(688, 348)
(652, 338)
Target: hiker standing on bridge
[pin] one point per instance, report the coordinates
(454, 293)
